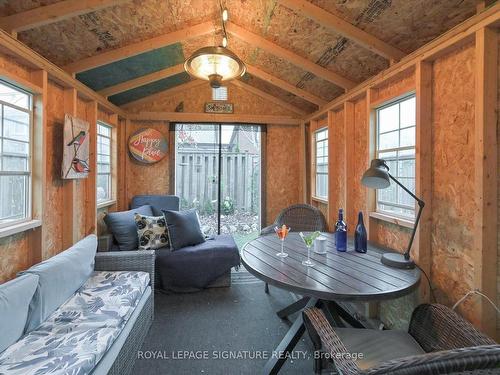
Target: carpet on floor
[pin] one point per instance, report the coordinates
(222, 331)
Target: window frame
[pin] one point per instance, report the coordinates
(398, 100)
(315, 195)
(110, 199)
(4, 227)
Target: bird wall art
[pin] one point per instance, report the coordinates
(76, 148)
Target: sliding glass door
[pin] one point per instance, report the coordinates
(218, 172)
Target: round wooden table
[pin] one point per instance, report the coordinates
(336, 276)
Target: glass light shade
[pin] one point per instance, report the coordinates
(214, 64)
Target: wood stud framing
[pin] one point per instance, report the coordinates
(134, 49)
(486, 174)
(293, 58)
(56, 12)
(343, 27)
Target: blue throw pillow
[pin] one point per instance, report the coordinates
(15, 298)
(59, 278)
(183, 228)
(122, 226)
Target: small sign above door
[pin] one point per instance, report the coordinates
(148, 146)
(215, 107)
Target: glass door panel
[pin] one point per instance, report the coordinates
(220, 163)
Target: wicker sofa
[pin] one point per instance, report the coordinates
(438, 341)
(86, 312)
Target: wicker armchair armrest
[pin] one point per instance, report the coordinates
(330, 341)
(456, 361)
(143, 260)
(267, 230)
(437, 327)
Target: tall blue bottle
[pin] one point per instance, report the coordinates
(341, 232)
(360, 237)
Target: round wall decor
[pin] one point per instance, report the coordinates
(148, 146)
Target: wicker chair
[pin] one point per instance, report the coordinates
(300, 218)
(438, 341)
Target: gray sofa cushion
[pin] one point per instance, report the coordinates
(183, 228)
(15, 298)
(122, 225)
(59, 278)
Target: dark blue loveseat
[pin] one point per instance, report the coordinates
(193, 267)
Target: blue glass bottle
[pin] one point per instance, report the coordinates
(360, 237)
(341, 232)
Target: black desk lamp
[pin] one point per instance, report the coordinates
(378, 177)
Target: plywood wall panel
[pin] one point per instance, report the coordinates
(399, 85)
(453, 177)
(282, 172)
(14, 255)
(147, 179)
(194, 101)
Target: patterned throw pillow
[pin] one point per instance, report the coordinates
(152, 232)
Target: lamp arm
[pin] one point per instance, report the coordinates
(421, 205)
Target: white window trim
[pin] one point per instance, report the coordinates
(315, 173)
(111, 199)
(390, 217)
(21, 225)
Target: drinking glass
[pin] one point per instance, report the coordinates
(308, 241)
(282, 232)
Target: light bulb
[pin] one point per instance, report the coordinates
(224, 42)
(225, 15)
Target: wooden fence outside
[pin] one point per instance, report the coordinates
(196, 179)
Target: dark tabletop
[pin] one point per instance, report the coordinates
(336, 276)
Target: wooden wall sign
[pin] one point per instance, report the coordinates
(75, 162)
(148, 146)
(214, 107)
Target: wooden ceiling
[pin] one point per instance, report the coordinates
(302, 52)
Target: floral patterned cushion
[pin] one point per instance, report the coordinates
(77, 335)
(152, 232)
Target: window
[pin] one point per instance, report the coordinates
(321, 170)
(219, 93)
(396, 144)
(104, 192)
(16, 108)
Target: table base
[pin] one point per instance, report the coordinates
(335, 314)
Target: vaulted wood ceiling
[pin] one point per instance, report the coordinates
(302, 52)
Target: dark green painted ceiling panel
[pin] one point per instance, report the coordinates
(149, 89)
(132, 67)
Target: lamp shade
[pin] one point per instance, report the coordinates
(377, 176)
(214, 64)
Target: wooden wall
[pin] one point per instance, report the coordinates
(282, 145)
(69, 206)
(453, 185)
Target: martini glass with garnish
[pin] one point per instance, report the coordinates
(282, 232)
(308, 241)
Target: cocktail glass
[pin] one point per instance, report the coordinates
(308, 241)
(282, 232)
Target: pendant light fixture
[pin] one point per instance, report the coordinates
(216, 63)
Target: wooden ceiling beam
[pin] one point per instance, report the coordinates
(141, 81)
(267, 96)
(308, 65)
(169, 92)
(285, 85)
(134, 49)
(215, 117)
(344, 28)
(52, 13)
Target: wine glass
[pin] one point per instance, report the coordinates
(308, 241)
(282, 232)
